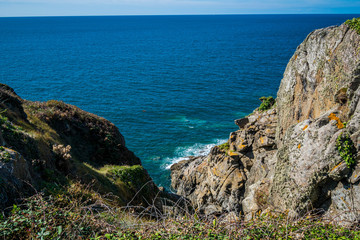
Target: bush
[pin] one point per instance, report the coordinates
(346, 149)
(267, 103)
(354, 24)
(225, 146)
(131, 175)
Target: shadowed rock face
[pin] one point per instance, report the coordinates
(50, 143)
(288, 157)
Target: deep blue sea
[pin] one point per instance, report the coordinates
(173, 85)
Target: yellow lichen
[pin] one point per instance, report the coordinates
(262, 140)
(242, 145)
(306, 126)
(339, 124)
(233, 153)
(335, 167)
(296, 57)
(215, 172)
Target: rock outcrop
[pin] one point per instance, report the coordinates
(217, 183)
(302, 154)
(49, 144)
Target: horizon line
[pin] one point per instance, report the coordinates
(199, 14)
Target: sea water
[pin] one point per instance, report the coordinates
(173, 85)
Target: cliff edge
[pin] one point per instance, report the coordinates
(300, 155)
(50, 145)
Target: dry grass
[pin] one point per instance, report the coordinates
(77, 212)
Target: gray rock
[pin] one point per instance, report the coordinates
(15, 178)
(286, 158)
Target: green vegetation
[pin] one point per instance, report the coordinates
(130, 175)
(354, 24)
(4, 155)
(267, 103)
(76, 212)
(346, 149)
(225, 146)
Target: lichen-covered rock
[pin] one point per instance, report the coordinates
(307, 162)
(294, 157)
(318, 94)
(212, 183)
(216, 183)
(322, 74)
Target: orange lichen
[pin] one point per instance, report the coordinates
(296, 57)
(262, 140)
(215, 172)
(306, 126)
(242, 145)
(339, 124)
(299, 146)
(335, 167)
(233, 153)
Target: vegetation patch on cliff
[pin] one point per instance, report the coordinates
(354, 24)
(266, 103)
(346, 149)
(225, 146)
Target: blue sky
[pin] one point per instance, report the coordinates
(171, 7)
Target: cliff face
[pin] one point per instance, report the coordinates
(297, 156)
(51, 144)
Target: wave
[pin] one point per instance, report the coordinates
(197, 149)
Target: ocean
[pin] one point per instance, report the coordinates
(173, 85)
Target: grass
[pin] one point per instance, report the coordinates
(77, 212)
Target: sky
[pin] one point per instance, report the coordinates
(13, 8)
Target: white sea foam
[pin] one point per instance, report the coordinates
(183, 153)
(188, 122)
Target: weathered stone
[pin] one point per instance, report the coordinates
(323, 65)
(241, 122)
(15, 178)
(216, 183)
(288, 156)
(339, 172)
(355, 176)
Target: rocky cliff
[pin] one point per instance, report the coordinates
(46, 145)
(300, 155)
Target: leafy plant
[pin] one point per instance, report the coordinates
(354, 24)
(346, 149)
(5, 156)
(267, 103)
(131, 175)
(225, 146)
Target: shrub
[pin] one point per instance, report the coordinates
(130, 175)
(225, 146)
(354, 24)
(346, 149)
(267, 103)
